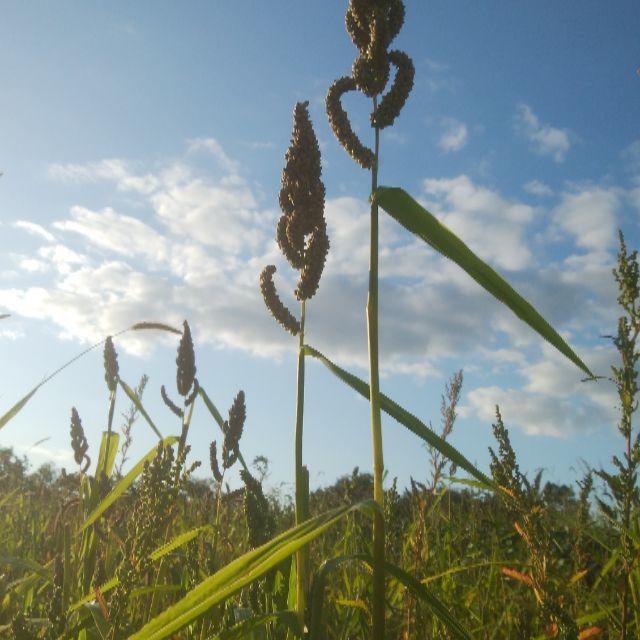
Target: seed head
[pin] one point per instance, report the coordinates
(233, 431)
(277, 308)
(79, 442)
(213, 461)
(260, 521)
(110, 364)
(339, 121)
(391, 104)
(186, 362)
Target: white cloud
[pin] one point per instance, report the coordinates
(34, 229)
(589, 214)
(538, 188)
(212, 146)
(454, 135)
(112, 169)
(546, 140)
(489, 224)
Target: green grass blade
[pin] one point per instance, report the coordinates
(17, 407)
(133, 396)
(401, 206)
(160, 552)
(246, 627)
(108, 452)
(241, 572)
(124, 484)
(404, 417)
(438, 608)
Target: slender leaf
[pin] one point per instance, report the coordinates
(404, 417)
(241, 572)
(124, 484)
(17, 407)
(401, 206)
(160, 552)
(244, 628)
(109, 451)
(437, 607)
(133, 396)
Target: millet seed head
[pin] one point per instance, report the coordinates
(213, 461)
(394, 100)
(186, 362)
(110, 365)
(277, 308)
(79, 442)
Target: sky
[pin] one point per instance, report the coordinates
(141, 150)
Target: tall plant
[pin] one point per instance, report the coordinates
(302, 237)
(373, 25)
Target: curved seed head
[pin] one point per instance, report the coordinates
(339, 122)
(277, 308)
(392, 103)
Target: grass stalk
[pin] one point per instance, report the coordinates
(302, 482)
(378, 617)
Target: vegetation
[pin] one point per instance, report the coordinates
(148, 552)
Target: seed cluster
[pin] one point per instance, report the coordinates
(79, 442)
(372, 25)
(232, 428)
(111, 368)
(302, 228)
(260, 522)
(186, 362)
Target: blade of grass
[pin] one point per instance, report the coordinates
(241, 572)
(124, 484)
(136, 401)
(404, 417)
(412, 216)
(108, 451)
(244, 628)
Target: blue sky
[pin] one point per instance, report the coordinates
(142, 145)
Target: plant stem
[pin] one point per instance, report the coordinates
(302, 479)
(378, 622)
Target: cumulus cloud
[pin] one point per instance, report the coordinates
(544, 138)
(34, 229)
(491, 225)
(454, 135)
(589, 214)
(538, 188)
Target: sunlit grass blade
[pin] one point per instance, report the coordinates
(411, 215)
(124, 484)
(133, 396)
(241, 572)
(439, 609)
(160, 552)
(108, 452)
(405, 418)
(246, 627)
(17, 407)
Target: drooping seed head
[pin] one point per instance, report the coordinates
(186, 362)
(79, 442)
(277, 308)
(394, 100)
(110, 364)
(213, 461)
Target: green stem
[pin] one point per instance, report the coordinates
(218, 509)
(378, 621)
(302, 479)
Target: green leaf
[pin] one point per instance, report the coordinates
(133, 396)
(109, 451)
(401, 206)
(404, 417)
(246, 627)
(124, 484)
(437, 607)
(17, 407)
(240, 572)
(160, 552)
